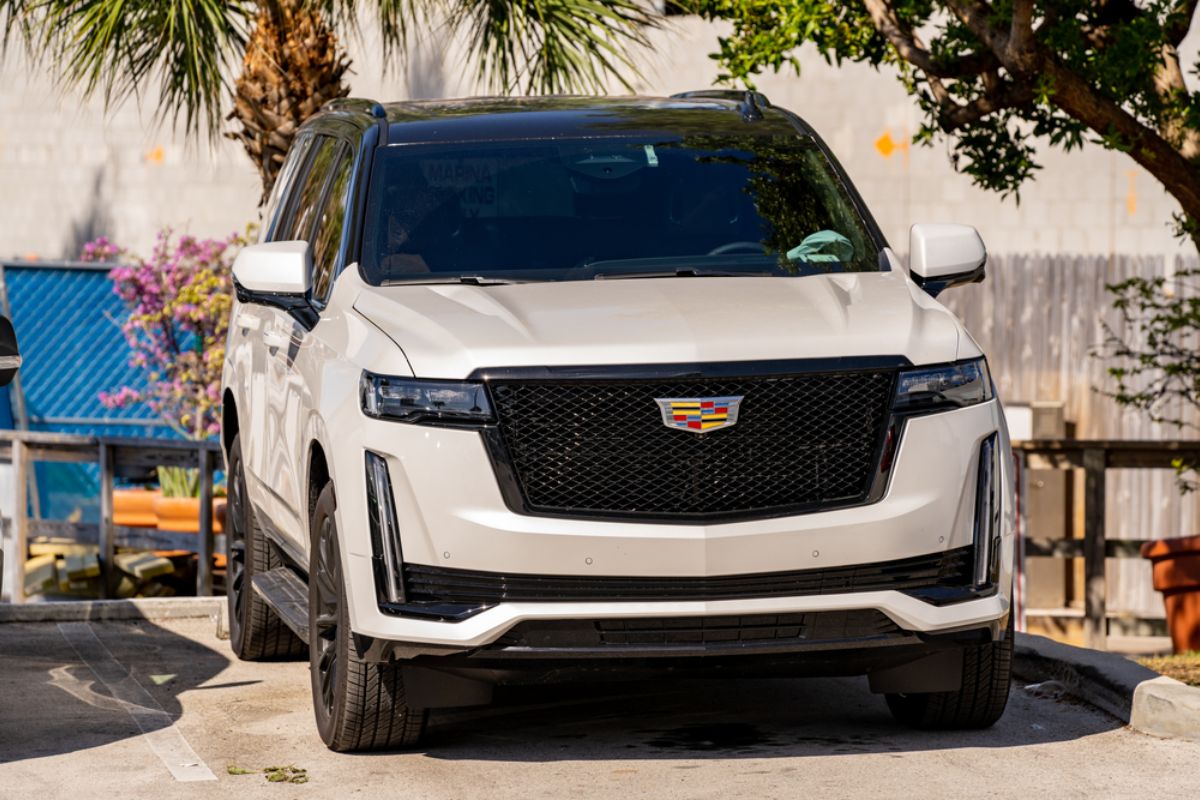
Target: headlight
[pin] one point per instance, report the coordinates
(946, 386)
(429, 401)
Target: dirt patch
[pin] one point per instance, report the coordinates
(1183, 667)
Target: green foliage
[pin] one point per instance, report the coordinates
(188, 49)
(277, 774)
(114, 47)
(991, 92)
(179, 482)
(1156, 354)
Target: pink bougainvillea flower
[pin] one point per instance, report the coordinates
(178, 302)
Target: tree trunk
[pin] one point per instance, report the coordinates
(293, 66)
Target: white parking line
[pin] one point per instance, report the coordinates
(156, 725)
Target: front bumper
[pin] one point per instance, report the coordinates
(910, 613)
(451, 514)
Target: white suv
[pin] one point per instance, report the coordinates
(517, 389)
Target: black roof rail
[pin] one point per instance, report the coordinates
(751, 104)
(359, 105)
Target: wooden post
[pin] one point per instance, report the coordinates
(20, 460)
(1020, 589)
(108, 575)
(1095, 625)
(204, 583)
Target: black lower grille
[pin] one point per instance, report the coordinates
(759, 629)
(601, 448)
(424, 584)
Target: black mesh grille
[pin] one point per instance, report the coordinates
(601, 448)
(423, 584)
(764, 629)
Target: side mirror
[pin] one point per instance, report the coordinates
(273, 269)
(10, 357)
(941, 256)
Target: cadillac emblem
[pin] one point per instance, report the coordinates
(699, 414)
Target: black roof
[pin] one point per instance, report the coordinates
(494, 118)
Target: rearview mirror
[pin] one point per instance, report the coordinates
(941, 256)
(274, 268)
(10, 357)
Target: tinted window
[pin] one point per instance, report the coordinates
(574, 209)
(280, 191)
(328, 238)
(306, 201)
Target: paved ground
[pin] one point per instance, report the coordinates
(132, 710)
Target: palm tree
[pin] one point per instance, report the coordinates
(292, 59)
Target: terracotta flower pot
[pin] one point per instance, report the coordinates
(134, 508)
(1176, 564)
(183, 514)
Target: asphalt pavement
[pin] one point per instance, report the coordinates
(163, 710)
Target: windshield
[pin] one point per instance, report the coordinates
(588, 209)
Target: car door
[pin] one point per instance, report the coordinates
(283, 336)
(247, 327)
(303, 382)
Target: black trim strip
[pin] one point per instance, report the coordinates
(426, 584)
(935, 286)
(683, 371)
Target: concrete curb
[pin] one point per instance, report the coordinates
(148, 608)
(1149, 702)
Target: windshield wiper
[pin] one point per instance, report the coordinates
(683, 272)
(470, 280)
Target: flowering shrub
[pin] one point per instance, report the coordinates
(179, 302)
(100, 250)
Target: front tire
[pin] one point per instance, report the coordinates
(978, 703)
(256, 633)
(358, 705)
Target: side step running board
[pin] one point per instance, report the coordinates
(287, 596)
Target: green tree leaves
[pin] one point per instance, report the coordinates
(994, 76)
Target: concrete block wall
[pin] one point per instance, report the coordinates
(70, 171)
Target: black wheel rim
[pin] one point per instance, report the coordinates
(235, 541)
(325, 623)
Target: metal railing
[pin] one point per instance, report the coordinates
(118, 457)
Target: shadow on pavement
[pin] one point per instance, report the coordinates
(721, 719)
(72, 686)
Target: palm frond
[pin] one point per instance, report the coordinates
(115, 48)
(395, 19)
(535, 46)
(551, 46)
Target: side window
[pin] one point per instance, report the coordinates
(306, 200)
(330, 223)
(280, 193)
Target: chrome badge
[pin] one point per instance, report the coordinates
(699, 414)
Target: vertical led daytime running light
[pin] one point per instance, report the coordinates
(987, 511)
(385, 532)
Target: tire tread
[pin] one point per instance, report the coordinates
(369, 709)
(979, 703)
(265, 636)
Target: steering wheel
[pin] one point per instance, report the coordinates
(733, 247)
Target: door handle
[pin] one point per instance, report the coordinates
(275, 339)
(248, 322)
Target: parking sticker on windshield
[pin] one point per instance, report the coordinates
(473, 178)
(651, 156)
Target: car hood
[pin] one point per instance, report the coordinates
(449, 331)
